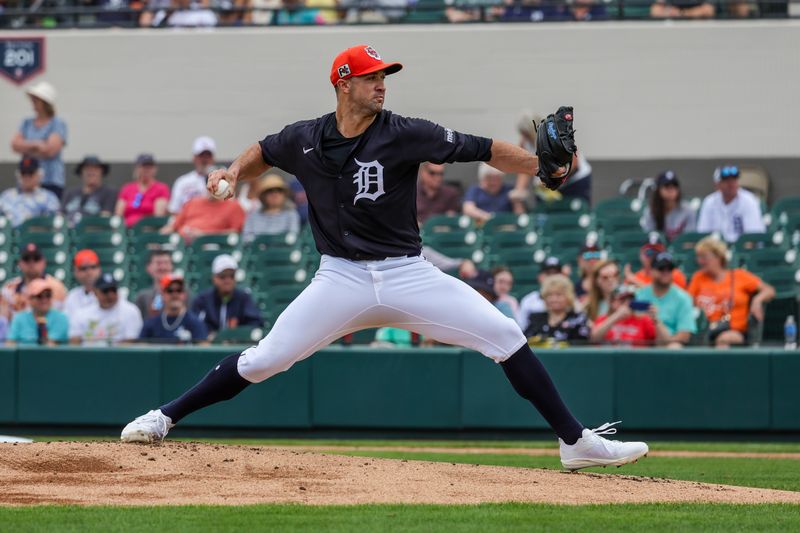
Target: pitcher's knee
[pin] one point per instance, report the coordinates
(256, 364)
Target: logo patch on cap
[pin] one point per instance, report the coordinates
(371, 52)
(344, 70)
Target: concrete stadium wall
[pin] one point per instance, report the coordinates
(695, 91)
(444, 389)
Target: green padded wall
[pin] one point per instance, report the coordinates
(8, 384)
(386, 389)
(786, 390)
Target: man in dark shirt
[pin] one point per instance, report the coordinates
(92, 197)
(359, 169)
(175, 323)
(223, 305)
(434, 197)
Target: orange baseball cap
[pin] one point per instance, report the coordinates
(359, 60)
(169, 279)
(86, 257)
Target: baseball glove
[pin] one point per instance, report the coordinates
(555, 145)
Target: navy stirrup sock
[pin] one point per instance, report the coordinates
(223, 382)
(531, 381)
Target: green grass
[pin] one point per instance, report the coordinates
(421, 518)
(781, 474)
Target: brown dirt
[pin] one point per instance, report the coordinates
(191, 473)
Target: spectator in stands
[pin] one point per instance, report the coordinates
(685, 9)
(175, 323)
(727, 296)
(230, 13)
(558, 322)
(191, 14)
(672, 306)
(86, 270)
(577, 185)
(193, 184)
(224, 305)
(605, 278)
(503, 283)
(730, 210)
(533, 302)
(206, 215)
(27, 199)
(644, 276)
(144, 196)
(483, 282)
(154, 13)
(41, 324)
(32, 265)
(296, 13)
(576, 10)
(149, 301)
(92, 197)
(434, 197)
(113, 320)
(588, 257)
(277, 214)
(473, 10)
(667, 213)
(623, 325)
(490, 196)
(522, 11)
(43, 137)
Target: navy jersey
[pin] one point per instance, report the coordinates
(366, 209)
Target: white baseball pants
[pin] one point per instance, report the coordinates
(404, 292)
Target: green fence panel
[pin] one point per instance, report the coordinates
(785, 390)
(8, 385)
(583, 378)
(709, 390)
(386, 389)
(281, 401)
(86, 386)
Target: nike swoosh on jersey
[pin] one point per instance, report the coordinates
(306, 150)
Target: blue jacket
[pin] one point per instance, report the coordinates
(239, 310)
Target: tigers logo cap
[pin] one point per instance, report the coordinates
(359, 60)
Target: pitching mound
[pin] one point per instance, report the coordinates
(191, 473)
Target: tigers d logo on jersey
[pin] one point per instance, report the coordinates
(369, 180)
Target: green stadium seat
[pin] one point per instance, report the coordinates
(148, 225)
(90, 223)
(783, 278)
(558, 222)
(215, 241)
(775, 312)
(761, 260)
(686, 242)
(427, 11)
(751, 241)
(281, 240)
(562, 205)
(43, 224)
(239, 335)
(506, 222)
(617, 206)
(447, 223)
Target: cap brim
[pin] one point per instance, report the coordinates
(389, 68)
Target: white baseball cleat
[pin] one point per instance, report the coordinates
(150, 427)
(593, 450)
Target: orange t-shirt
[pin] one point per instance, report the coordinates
(714, 297)
(678, 278)
(210, 216)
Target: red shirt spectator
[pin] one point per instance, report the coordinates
(623, 325)
(144, 196)
(201, 216)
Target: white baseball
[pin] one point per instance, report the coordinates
(222, 190)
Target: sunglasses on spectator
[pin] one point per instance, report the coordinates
(31, 258)
(665, 268)
(137, 200)
(174, 290)
(84, 268)
(109, 290)
(729, 172)
(44, 295)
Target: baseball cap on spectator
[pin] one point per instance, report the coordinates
(86, 257)
(169, 279)
(663, 260)
(667, 177)
(652, 249)
(483, 282)
(360, 60)
(28, 165)
(222, 263)
(31, 251)
(105, 281)
(590, 251)
(145, 159)
(37, 287)
(203, 144)
(92, 160)
(624, 290)
(551, 265)
(726, 172)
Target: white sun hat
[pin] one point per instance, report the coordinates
(43, 91)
